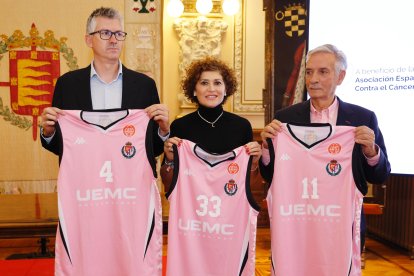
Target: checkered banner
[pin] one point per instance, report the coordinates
(291, 21)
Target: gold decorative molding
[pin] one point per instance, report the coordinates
(239, 62)
(191, 11)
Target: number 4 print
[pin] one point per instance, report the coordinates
(106, 171)
(305, 192)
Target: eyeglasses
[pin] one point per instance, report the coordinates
(107, 34)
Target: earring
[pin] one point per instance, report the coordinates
(195, 94)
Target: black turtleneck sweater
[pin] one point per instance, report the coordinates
(228, 133)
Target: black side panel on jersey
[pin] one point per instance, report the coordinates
(59, 136)
(149, 146)
(357, 169)
(175, 172)
(249, 194)
(151, 234)
(64, 242)
(246, 256)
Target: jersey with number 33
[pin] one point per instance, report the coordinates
(213, 216)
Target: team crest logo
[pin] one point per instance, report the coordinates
(128, 150)
(294, 17)
(34, 66)
(333, 168)
(334, 148)
(233, 168)
(231, 187)
(129, 130)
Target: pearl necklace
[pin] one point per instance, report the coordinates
(211, 123)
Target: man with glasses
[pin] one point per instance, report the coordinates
(105, 83)
(109, 205)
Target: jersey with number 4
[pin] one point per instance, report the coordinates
(315, 201)
(109, 204)
(213, 216)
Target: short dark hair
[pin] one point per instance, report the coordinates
(101, 12)
(196, 68)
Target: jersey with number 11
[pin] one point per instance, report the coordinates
(315, 201)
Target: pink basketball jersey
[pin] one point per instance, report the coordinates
(213, 216)
(109, 204)
(314, 202)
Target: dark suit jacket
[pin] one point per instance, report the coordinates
(73, 92)
(348, 115)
